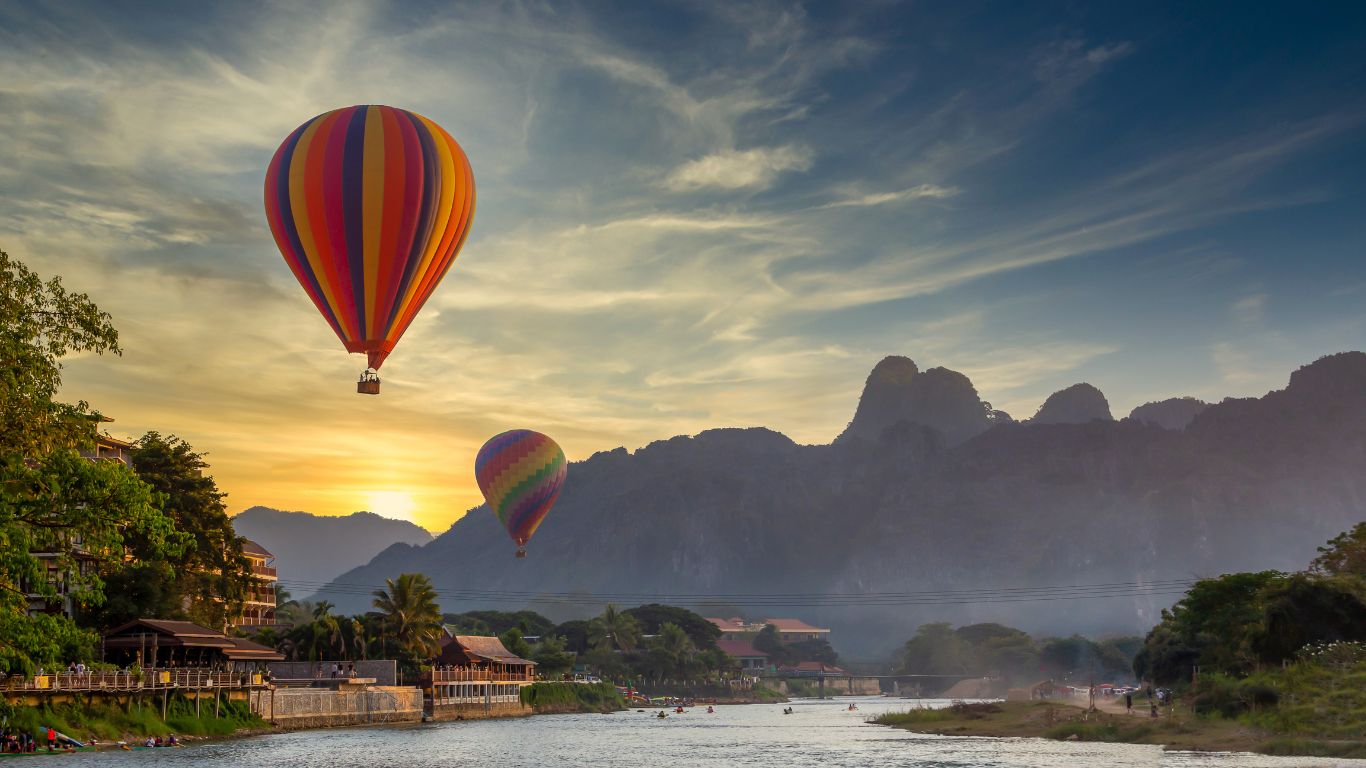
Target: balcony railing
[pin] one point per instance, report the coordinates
(267, 571)
(152, 679)
(473, 675)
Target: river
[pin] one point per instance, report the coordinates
(820, 734)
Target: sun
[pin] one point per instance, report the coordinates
(397, 505)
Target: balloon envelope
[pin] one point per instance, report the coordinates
(369, 206)
(521, 473)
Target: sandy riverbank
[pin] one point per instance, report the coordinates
(1066, 721)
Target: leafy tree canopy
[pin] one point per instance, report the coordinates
(411, 616)
(703, 633)
(498, 622)
(1344, 554)
(51, 498)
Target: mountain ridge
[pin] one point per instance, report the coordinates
(313, 549)
(897, 505)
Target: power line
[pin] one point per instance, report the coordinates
(1110, 590)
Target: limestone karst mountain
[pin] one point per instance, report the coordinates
(896, 391)
(1078, 404)
(920, 499)
(312, 549)
(1173, 413)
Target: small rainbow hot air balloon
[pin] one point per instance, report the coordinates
(369, 206)
(521, 473)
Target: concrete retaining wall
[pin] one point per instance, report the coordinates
(293, 708)
(479, 712)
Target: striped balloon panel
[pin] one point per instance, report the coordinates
(521, 473)
(369, 206)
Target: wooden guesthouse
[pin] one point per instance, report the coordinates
(485, 655)
(159, 643)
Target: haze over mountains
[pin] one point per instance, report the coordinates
(312, 549)
(930, 489)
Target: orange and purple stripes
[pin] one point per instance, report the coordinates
(369, 206)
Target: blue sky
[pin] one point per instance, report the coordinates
(693, 215)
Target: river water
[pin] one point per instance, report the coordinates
(820, 734)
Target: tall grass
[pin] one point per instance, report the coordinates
(572, 697)
(107, 721)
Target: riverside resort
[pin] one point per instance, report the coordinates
(464, 384)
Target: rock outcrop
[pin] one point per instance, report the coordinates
(897, 391)
(1173, 413)
(1078, 404)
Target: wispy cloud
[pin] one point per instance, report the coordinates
(727, 224)
(751, 168)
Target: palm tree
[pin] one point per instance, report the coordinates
(411, 614)
(614, 630)
(675, 646)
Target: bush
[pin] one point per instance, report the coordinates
(572, 697)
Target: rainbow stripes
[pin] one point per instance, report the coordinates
(369, 206)
(521, 473)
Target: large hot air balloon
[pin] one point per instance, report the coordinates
(369, 205)
(521, 473)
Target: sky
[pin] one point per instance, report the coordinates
(691, 215)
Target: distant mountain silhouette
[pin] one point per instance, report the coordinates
(928, 490)
(316, 549)
(897, 391)
(1078, 404)
(1174, 413)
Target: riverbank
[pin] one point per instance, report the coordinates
(570, 698)
(717, 694)
(110, 723)
(1065, 721)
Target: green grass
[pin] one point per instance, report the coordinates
(110, 722)
(765, 694)
(1308, 699)
(1298, 747)
(926, 715)
(572, 697)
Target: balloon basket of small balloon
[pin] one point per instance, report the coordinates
(521, 552)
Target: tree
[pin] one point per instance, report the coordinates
(516, 643)
(767, 640)
(575, 635)
(614, 630)
(1212, 627)
(1344, 555)
(498, 622)
(936, 650)
(552, 660)
(814, 650)
(1307, 608)
(52, 499)
(703, 633)
(208, 577)
(319, 638)
(411, 614)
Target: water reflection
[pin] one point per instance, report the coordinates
(819, 734)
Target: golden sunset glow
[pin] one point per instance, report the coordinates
(395, 505)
